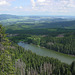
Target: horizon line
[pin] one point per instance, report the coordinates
(42, 15)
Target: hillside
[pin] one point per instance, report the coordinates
(14, 60)
(29, 25)
(22, 22)
(7, 16)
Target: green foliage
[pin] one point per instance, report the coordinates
(60, 44)
(73, 67)
(6, 66)
(39, 64)
(59, 41)
(34, 39)
(28, 63)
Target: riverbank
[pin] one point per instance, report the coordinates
(46, 52)
(51, 50)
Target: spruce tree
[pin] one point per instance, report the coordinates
(6, 65)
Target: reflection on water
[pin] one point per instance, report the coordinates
(47, 52)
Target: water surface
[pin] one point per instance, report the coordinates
(46, 52)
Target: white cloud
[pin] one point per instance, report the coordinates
(72, 4)
(20, 7)
(33, 3)
(53, 5)
(4, 2)
(41, 0)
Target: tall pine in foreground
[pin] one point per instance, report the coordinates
(6, 66)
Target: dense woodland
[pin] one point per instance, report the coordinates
(22, 22)
(14, 60)
(60, 40)
(58, 43)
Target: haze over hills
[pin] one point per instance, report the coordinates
(7, 16)
(24, 22)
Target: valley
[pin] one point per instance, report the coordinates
(37, 45)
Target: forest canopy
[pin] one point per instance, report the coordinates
(15, 60)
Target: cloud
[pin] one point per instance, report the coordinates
(33, 3)
(4, 2)
(72, 4)
(20, 7)
(41, 0)
(53, 5)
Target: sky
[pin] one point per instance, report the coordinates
(38, 7)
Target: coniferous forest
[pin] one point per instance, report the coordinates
(61, 41)
(15, 60)
(37, 37)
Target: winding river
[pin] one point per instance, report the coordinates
(46, 52)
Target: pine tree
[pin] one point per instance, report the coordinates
(6, 65)
(73, 67)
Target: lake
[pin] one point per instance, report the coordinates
(46, 52)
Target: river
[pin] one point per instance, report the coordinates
(46, 52)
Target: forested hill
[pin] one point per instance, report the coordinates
(22, 22)
(23, 26)
(14, 60)
(62, 24)
(7, 16)
(6, 64)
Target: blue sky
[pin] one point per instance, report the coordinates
(38, 7)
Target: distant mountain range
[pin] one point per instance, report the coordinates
(7, 16)
(24, 22)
